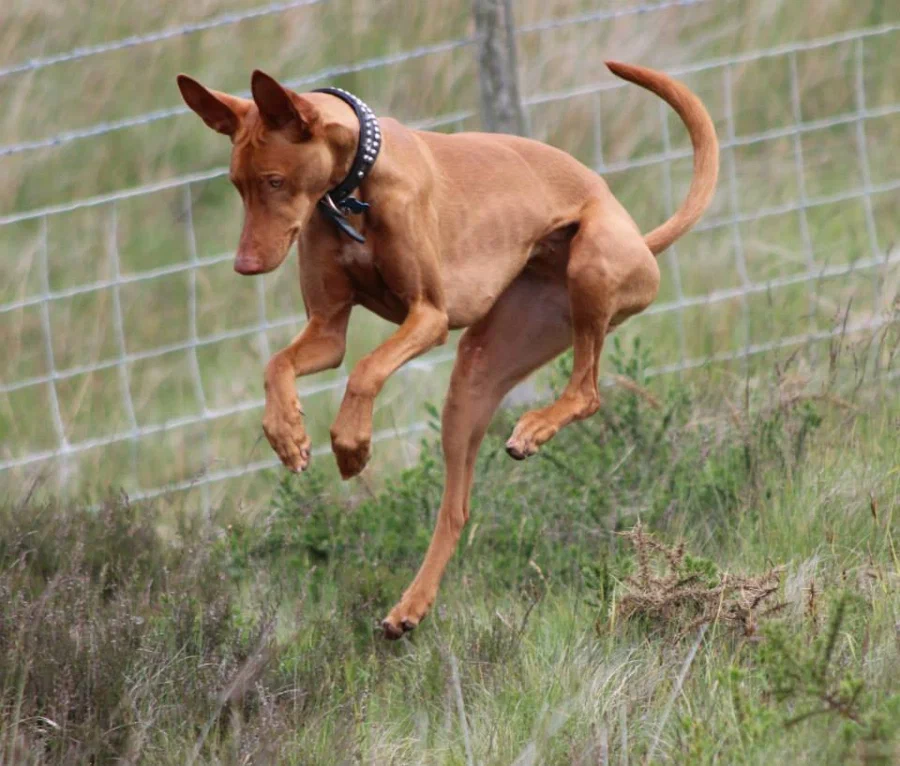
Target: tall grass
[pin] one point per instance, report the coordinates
(146, 633)
(135, 634)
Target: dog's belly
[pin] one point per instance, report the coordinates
(473, 285)
(470, 293)
(473, 277)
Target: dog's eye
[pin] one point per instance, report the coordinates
(275, 182)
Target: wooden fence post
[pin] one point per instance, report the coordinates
(501, 106)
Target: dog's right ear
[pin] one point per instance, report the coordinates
(223, 113)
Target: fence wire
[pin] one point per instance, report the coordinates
(123, 360)
(134, 41)
(376, 62)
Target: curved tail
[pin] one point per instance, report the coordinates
(706, 149)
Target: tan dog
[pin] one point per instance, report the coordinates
(508, 237)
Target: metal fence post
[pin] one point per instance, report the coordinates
(501, 106)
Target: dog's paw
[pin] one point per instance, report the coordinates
(351, 451)
(406, 615)
(533, 429)
(351, 435)
(288, 438)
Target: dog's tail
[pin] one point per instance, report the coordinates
(706, 149)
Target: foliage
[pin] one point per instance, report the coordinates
(139, 633)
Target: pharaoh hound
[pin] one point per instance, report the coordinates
(510, 238)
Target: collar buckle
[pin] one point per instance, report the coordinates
(329, 203)
(354, 205)
(331, 211)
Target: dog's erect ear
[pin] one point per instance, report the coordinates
(220, 111)
(280, 109)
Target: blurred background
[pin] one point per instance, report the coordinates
(133, 354)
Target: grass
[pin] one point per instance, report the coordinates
(144, 633)
(151, 633)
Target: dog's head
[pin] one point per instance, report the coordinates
(284, 159)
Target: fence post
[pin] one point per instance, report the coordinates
(501, 106)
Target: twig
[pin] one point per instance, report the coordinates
(237, 686)
(677, 690)
(635, 388)
(461, 709)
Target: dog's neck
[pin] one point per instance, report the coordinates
(340, 201)
(342, 131)
(343, 138)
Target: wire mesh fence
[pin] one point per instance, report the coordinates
(146, 371)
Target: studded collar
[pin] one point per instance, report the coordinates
(338, 202)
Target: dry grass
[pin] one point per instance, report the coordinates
(689, 592)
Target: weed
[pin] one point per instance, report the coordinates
(686, 591)
(822, 677)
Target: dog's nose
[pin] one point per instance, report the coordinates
(247, 266)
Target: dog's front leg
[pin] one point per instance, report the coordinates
(319, 347)
(351, 435)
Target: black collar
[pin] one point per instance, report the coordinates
(338, 202)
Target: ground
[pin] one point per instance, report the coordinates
(148, 634)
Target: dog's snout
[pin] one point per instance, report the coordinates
(248, 265)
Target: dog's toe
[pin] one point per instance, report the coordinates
(391, 632)
(408, 625)
(352, 455)
(532, 431)
(514, 452)
(520, 446)
(407, 615)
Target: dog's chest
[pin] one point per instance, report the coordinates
(372, 291)
(355, 256)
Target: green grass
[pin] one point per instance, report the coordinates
(145, 634)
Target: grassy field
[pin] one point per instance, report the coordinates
(142, 634)
(572, 628)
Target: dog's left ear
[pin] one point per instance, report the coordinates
(280, 109)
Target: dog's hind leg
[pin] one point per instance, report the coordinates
(527, 327)
(611, 274)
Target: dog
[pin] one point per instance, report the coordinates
(510, 238)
